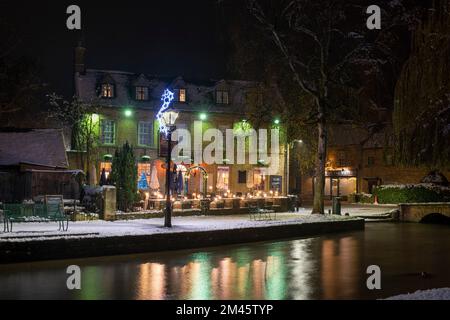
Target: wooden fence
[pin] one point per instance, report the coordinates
(16, 186)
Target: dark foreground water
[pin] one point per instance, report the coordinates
(327, 267)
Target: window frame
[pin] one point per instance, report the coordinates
(102, 132)
(145, 95)
(150, 133)
(184, 94)
(242, 174)
(222, 94)
(112, 91)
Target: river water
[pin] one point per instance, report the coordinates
(326, 267)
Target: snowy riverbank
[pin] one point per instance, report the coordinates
(100, 229)
(432, 294)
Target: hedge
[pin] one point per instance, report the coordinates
(394, 194)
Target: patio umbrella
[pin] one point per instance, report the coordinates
(154, 182)
(186, 186)
(173, 182)
(180, 182)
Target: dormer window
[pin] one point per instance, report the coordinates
(107, 91)
(182, 95)
(141, 93)
(222, 97)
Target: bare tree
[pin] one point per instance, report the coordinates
(83, 119)
(323, 44)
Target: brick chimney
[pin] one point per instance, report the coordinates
(80, 64)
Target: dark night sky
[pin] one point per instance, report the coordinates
(157, 37)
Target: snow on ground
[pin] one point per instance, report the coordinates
(433, 294)
(45, 231)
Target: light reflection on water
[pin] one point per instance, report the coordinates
(328, 267)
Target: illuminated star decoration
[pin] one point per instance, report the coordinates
(166, 98)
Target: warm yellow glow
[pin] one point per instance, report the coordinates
(182, 96)
(95, 118)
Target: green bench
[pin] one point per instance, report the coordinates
(20, 213)
(256, 213)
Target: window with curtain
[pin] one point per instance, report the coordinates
(182, 95)
(223, 174)
(107, 91)
(259, 179)
(141, 93)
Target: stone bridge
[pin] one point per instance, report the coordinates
(416, 212)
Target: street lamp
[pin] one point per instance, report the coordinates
(167, 117)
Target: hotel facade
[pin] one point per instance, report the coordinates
(127, 107)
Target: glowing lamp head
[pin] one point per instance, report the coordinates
(277, 121)
(128, 113)
(169, 117)
(203, 116)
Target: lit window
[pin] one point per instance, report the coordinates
(107, 131)
(182, 95)
(259, 179)
(144, 169)
(141, 93)
(222, 97)
(145, 133)
(107, 90)
(223, 174)
(108, 168)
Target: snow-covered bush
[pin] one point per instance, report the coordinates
(412, 193)
(92, 198)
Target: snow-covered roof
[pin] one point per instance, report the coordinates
(40, 147)
(200, 93)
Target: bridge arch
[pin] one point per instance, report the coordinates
(436, 217)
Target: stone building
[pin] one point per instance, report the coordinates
(357, 161)
(128, 106)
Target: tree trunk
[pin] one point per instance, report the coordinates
(319, 184)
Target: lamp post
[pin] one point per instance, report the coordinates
(167, 117)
